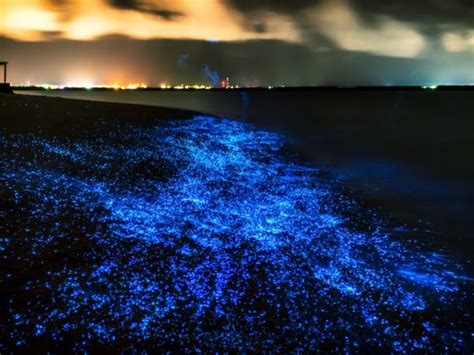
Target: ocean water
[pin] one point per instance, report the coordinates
(407, 152)
(210, 234)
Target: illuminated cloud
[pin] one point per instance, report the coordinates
(179, 19)
(388, 37)
(460, 41)
(26, 19)
(147, 6)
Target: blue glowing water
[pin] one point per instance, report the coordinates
(207, 234)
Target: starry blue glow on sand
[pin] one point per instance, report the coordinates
(207, 234)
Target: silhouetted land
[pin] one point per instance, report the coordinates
(282, 88)
(5, 88)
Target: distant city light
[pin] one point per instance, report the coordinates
(224, 84)
(115, 86)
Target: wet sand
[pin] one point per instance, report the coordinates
(21, 113)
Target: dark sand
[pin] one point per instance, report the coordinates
(56, 116)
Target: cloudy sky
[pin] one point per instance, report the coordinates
(254, 42)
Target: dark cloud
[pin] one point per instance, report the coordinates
(51, 35)
(279, 6)
(428, 15)
(145, 7)
(260, 27)
(59, 3)
(61, 7)
(252, 10)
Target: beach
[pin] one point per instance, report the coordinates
(136, 227)
(27, 113)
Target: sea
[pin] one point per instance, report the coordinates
(271, 220)
(406, 152)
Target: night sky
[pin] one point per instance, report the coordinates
(297, 42)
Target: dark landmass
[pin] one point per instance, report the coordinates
(277, 88)
(5, 88)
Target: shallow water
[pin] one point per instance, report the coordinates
(406, 152)
(210, 234)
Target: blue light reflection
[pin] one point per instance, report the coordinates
(207, 234)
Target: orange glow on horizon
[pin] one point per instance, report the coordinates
(121, 87)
